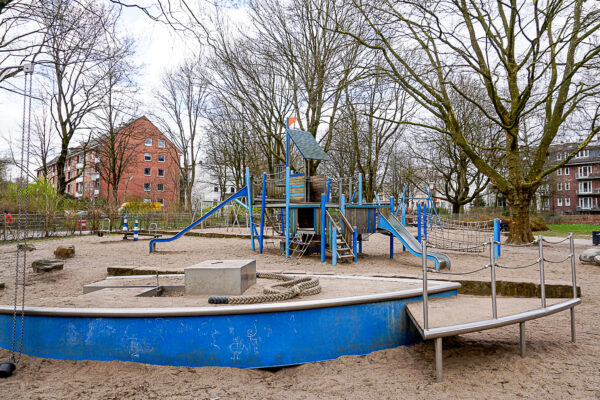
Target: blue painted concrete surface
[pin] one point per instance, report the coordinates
(242, 340)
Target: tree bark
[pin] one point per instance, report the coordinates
(520, 226)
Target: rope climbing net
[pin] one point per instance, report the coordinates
(463, 236)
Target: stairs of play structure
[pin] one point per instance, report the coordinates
(301, 242)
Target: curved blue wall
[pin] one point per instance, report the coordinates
(241, 340)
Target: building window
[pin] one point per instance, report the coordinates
(147, 157)
(232, 189)
(161, 158)
(148, 142)
(147, 200)
(147, 171)
(567, 185)
(216, 189)
(559, 186)
(559, 172)
(69, 188)
(161, 172)
(160, 187)
(161, 143)
(567, 171)
(582, 153)
(587, 202)
(147, 187)
(584, 171)
(161, 201)
(559, 202)
(567, 201)
(585, 187)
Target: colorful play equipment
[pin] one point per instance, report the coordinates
(310, 214)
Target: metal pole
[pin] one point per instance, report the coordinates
(573, 277)
(425, 306)
(542, 279)
(493, 268)
(522, 338)
(438, 359)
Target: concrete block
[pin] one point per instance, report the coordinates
(220, 277)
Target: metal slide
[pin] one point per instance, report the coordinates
(391, 224)
(241, 193)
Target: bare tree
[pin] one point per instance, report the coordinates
(455, 177)
(117, 141)
(183, 98)
(21, 37)
(79, 38)
(531, 57)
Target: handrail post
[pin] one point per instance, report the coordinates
(425, 305)
(542, 278)
(573, 277)
(493, 283)
(323, 226)
(354, 240)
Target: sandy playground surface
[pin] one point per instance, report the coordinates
(477, 365)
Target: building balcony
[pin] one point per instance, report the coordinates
(595, 192)
(586, 177)
(97, 160)
(78, 194)
(79, 180)
(79, 165)
(95, 175)
(96, 192)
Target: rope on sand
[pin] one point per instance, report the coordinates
(288, 289)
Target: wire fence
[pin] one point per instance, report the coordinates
(38, 226)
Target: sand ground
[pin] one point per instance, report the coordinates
(477, 365)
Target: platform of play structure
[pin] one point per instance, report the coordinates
(316, 214)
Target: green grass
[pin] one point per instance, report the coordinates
(580, 230)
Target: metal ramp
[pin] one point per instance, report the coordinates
(464, 314)
(447, 317)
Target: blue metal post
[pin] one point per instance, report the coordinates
(392, 236)
(497, 250)
(287, 211)
(329, 189)
(287, 143)
(135, 229)
(419, 222)
(262, 213)
(360, 201)
(334, 247)
(249, 186)
(354, 240)
(323, 226)
(425, 221)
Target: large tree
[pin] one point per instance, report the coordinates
(183, 98)
(530, 56)
(81, 37)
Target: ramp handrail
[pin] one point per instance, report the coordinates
(347, 231)
(242, 193)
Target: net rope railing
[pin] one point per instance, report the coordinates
(457, 235)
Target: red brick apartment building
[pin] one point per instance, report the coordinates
(575, 188)
(151, 173)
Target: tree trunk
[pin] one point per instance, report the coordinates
(455, 209)
(520, 227)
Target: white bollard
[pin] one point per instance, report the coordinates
(135, 230)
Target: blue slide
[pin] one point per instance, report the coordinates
(388, 222)
(241, 193)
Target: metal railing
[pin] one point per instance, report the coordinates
(493, 265)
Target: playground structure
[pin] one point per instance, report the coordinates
(315, 214)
